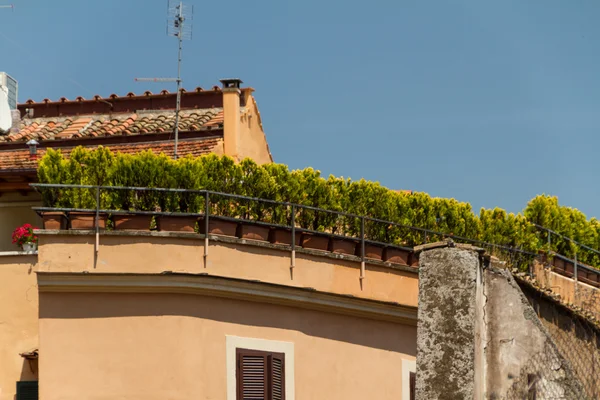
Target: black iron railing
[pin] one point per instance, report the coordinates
(360, 228)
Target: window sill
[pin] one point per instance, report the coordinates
(17, 253)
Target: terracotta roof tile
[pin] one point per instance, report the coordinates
(42, 129)
(21, 160)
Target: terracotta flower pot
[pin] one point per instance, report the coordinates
(254, 232)
(54, 220)
(372, 251)
(316, 242)
(414, 260)
(177, 223)
(86, 220)
(559, 264)
(220, 227)
(132, 222)
(343, 246)
(284, 236)
(397, 256)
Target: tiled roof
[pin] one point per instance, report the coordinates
(21, 160)
(103, 125)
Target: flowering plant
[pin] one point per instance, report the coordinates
(24, 234)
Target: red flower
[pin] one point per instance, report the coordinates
(24, 234)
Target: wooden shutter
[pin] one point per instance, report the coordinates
(413, 385)
(27, 390)
(260, 375)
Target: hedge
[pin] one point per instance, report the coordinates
(305, 187)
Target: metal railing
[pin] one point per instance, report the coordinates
(363, 229)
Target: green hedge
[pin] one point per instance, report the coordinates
(305, 187)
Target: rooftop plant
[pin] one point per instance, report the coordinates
(306, 187)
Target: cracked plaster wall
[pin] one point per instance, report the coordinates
(478, 337)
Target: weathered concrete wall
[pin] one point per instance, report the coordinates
(478, 337)
(446, 327)
(521, 357)
(577, 339)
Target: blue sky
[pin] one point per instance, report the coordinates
(489, 102)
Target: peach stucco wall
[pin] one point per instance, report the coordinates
(253, 142)
(18, 321)
(151, 254)
(15, 210)
(587, 297)
(173, 346)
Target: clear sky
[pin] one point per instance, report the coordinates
(490, 102)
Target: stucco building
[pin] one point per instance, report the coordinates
(159, 315)
(144, 314)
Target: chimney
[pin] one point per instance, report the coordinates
(231, 116)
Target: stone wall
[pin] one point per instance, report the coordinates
(478, 336)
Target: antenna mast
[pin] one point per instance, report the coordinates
(179, 24)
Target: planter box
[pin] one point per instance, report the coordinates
(253, 232)
(315, 242)
(86, 221)
(568, 267)
(559, 264)
(414, 260)
(54, 220)
(397, 256)
(372, 251)
(284, 236)
(220, 227)
(343, 246)
(131, 222)
(177, 223)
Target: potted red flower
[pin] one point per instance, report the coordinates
(23, 236)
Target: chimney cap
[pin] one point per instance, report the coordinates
(233, 83)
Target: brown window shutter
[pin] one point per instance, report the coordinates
(413, 385)
(277, 376)
(260, 375)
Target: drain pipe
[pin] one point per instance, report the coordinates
(293, 261)
(206, 214)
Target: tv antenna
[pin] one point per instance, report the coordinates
(179, 24)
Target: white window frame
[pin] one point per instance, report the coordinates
(408, 366)
(235, 342)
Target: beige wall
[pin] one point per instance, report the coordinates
(15, 210)
(253, 142)
(173, 346)
(18, 321)
(587, 297)
(155, 254)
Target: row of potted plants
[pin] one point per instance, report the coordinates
(277, 183)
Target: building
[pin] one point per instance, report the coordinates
(219, 120)
(177, 315)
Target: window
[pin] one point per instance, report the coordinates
(409, 379)
(260, 375)
(27, 390)
(265, 365)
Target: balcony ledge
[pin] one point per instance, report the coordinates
(229, 240)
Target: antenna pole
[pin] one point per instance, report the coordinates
(180, 18)
(178, 14)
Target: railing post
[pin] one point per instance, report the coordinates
(97, 220)
(293, 261)
(206, 215)
(362, 249)
(576, 279)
